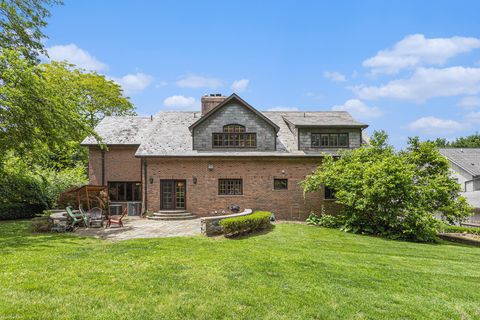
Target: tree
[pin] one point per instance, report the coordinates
(21, 23)
(95, 96)
(471, 141)
(389, 193)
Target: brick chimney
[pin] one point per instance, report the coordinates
(210, 101)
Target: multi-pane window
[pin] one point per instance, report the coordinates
(234, 136)
(329, 194)
(124, 191)
(280, 184)
(338, 140)
(230, 187)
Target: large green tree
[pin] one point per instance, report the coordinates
(21, 23)
(394, 194)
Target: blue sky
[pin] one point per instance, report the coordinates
(408, 67)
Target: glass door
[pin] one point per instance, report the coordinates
(172, 194)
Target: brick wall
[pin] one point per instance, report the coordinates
(120, 165)
(257, 175)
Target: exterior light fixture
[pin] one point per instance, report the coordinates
(210, 166)
(194, 178)
(151, 180)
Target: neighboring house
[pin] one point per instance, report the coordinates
(229, 153)
(465, 165)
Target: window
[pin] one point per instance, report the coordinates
(124, 191)
(321, 140)
(329, 194)
(280, 184)
(234, 136)
(230, 187)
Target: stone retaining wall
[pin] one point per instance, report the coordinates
(210, 226)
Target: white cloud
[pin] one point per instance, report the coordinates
(334, 76)
(133, 83)
(470, 102)
(194, 81)
(358, 109)
(416, 50)
(240, 85)
(283, 109)
(76, 56)
(426, 83)
(179, 102)
(432, 125)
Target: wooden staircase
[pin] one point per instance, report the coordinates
(172, 215)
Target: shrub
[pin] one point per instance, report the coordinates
(459, 229)
(11, 211)
(391, 193)
(325, 220)
(259, 220)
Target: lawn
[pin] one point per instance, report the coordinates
(292, 272)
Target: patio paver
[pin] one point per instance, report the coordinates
(144, 228)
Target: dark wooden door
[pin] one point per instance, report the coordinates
(173, 194)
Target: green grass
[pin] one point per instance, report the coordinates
(293, 272)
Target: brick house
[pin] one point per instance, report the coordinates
(229, 153)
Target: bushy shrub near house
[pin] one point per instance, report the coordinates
(390, 193)
(27, 190)
(259, 220)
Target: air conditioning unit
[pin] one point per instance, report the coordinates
(134, 208)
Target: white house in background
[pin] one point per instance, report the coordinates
(465, 165)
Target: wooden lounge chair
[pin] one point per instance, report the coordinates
(77, 217)
(116, 219)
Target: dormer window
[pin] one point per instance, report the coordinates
(234, 136)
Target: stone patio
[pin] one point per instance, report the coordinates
(143, 228)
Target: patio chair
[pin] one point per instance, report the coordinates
(116, 219)
(76, 217)
(96, 217)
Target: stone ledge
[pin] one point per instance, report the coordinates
(210, 226)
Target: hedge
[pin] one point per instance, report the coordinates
(20, 211)
(459, 229)
(259, 220)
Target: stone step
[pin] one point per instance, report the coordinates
(164, 214)
(172, 217)
(171, 211)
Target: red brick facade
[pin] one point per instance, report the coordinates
(119, 162)
(202, 198)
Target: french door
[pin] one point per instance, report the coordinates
(173, 194)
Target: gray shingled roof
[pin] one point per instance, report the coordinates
(120, 130)
(466, 158)
(168, 134)
(324, 119)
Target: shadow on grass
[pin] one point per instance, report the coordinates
(17, 235)
(253, 234)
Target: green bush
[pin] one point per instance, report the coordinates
(13, 211)
(259, 220)
(459, 229)
(27, 190)
(324, 220)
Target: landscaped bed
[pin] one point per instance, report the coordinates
(292, 272)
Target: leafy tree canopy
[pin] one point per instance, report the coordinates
(21, 23)
(471, 141)
(394, 194)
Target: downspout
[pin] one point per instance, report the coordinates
(103, 167)
(145, 184)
